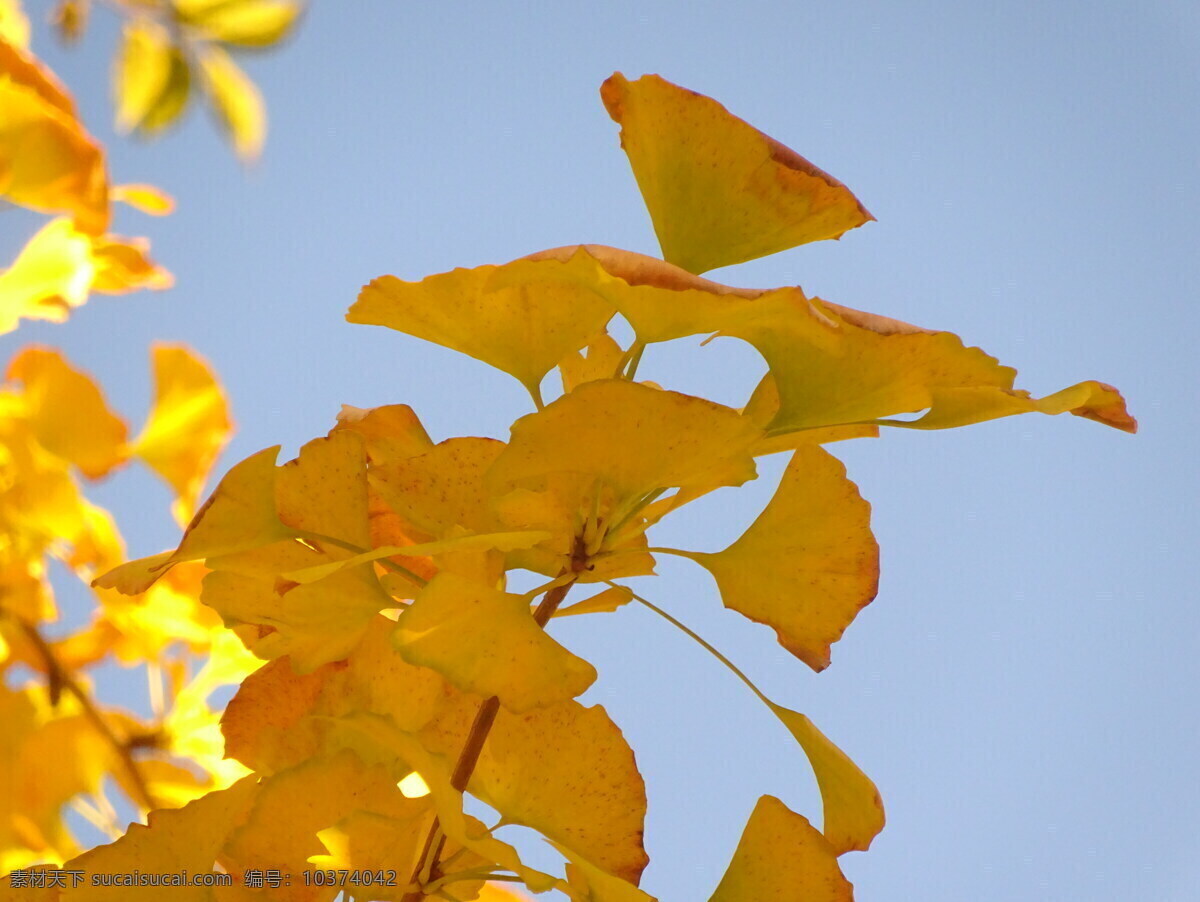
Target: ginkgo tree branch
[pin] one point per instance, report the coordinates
(60, 675)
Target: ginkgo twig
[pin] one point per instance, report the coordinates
(485, 717)
(62, 676)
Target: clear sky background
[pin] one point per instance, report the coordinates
(1023, 690)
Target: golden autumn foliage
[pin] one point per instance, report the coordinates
(360, 594)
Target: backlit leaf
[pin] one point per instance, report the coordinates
(392, 432)
(808, 564)
(68, 413)
(240, 514)
(52, 274)
(782, 857)
(236, 100)
(718, 190)
(486, 641)
(47, 161)
(187, 427)
(145, 198)
(188, 839)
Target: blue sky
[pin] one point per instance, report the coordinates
(1023, 689)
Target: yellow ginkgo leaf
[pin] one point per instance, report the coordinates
(122, 266)
(188, 839)
(602, 358)
(604, 602)
(853, 808)
(187, 427)
(441, 488)
(435, 770)
(324, 490)
(781, 856)
(236, 100)
(589, 883)
(249, 23)
(68, 413)
(240, 514)
(174, 97)
(24, 69)
(486, 641)
(718, 190)
(762, 408)
(631, 438)
(951, 407)
(146, 198)
(52, 274)
(280, 717)
(808, 564)
(142, 72)
(392, 432)
(14, 24)
(47, 161)
(563, 770)
(522, 317)
(313, 623)
(293, 806)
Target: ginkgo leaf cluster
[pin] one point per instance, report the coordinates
(50, 163)
(372, 572)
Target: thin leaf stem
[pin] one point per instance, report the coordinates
(387, 563)
(702, 641)
(60, 675)
(485, 717)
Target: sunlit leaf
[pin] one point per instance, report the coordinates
(14, 24)
(236, 100)
(68, 412)
(808, 564)
(486, 641)
(718, 190)
(146, 198)
(781, 856)
(522, 317)
(187, 427)
(604, 602)
(188, 839)
(239, 515)
(392, 432)
(52, 274)
(47, 161)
